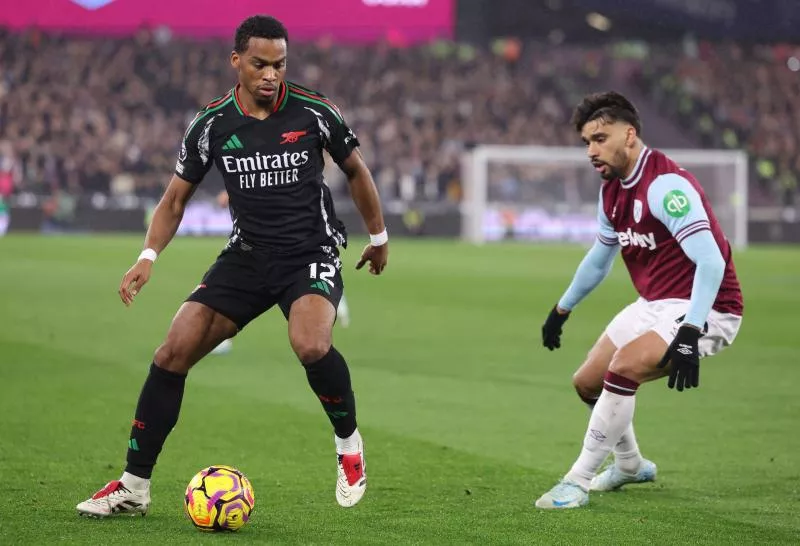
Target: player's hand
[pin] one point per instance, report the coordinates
(377, 256)
(684, 356)
(551, 330)
(133, 281)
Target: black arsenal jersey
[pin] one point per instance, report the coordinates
(272, 168)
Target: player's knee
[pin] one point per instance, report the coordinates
(626, 364)
(309, 349)
(172, 357)
(587, 387)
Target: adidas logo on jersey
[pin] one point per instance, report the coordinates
(632, 238)
(233, 143)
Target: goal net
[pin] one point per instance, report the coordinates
(542, 193)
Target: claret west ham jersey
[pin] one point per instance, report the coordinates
(649, 214)
(272, 168)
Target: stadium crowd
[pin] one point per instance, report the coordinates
(730, 97)
(92, 115)
(107, 116)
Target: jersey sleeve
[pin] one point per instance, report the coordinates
(593, 269)
(605, 232)
(338, 139)
(677, 204)
(194, 157)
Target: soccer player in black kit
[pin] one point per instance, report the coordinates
(266, 136)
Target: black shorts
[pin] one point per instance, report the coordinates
(243, 284)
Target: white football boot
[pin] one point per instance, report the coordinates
(115, 499)
(351, 482)
(565, 494)
(613, 478)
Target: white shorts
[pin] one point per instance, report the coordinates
(664, 318)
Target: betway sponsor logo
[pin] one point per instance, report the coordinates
(644, 240)
(266, 170)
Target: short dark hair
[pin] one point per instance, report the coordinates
(609, 106)
(258, 26)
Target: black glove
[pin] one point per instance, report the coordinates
(685, 358)
(551, 330)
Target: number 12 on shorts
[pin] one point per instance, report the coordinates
(327, 273)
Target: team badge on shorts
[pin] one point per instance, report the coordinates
(637, 210)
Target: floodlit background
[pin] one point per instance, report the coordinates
(462, 109)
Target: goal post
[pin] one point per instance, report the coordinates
(546, 193)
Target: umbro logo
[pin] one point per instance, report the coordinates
(595, 434)
(233, 143)
(292, 136)
(684, 349)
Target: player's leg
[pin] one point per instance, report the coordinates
(623, 329)
(632, 365)
(588, 379)
(310, 306)
(629, 465)
(663, 319)
(588, 383)
(195, 330)
(215, 311)
(310, 322)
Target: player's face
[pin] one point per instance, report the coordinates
(261, 68)
(608, 145)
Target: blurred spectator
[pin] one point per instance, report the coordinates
(733, 96)
(107, 116)
(10, 171)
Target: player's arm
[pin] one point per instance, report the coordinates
(193, 163)
(365, 196)
(364, 192)
(592, 270)
(343, 144)
(594, 267)
(168, 214)
(163, 226)
(223, 199)
(675, 202)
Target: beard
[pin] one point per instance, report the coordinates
(611, 173)
(264, 102)
(615, 169)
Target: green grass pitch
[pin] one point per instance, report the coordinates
(466, 418)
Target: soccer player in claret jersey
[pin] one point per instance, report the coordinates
(689, 305)
(266, 136)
